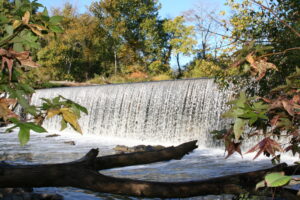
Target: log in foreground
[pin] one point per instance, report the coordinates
(84, 174)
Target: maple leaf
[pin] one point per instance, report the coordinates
(8, 57)
(296, 98)
(230, 145)
(274, 120)
(5, 112)
(259, 66)
(267, 145)
(288, 106)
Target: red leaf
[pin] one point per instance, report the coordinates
(233, 147)
(8, 57)
(266, 100)
(288, 106)
(276, 104)
(267, 145)
(274, 120)
(9, 63)
(296, 99)
(230, 145)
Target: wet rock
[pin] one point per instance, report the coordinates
(52, 135)
(70, 142)
(26, 194)
(138, 148)
(13, 157)
(37, 196)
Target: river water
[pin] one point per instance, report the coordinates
(202, 163)
(165, 113)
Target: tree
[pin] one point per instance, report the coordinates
(82, 51)
(271, 31)
(206, 68)
(125, 23)
(180, 38)
(21, 28)
(268, 35)
(209, 30)
(21, 24)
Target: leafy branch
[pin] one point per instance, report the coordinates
(277, 17)
(21, 31)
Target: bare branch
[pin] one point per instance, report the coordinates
(279, 53)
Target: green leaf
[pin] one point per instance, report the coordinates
(55, 20)
(24, 135)
(45, 12)
(277, 179)
(3, 19)
(56, 29)
(238, 127)
(28, 39)
(72, 103)
(45, 18)
(18, 47)
(26, 88)
(19, 94)
(260, 106)
(11, 128)
(81, 108)
(56, 100)
(18, 3)
(9, 29)
(63, 124)
(35, 127)
(76, 111)
(241, 101)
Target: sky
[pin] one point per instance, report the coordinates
(169, 9)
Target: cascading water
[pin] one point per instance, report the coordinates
(165, 111)
(162, 112)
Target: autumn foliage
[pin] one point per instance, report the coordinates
(21, 29)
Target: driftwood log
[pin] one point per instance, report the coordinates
(84, 173)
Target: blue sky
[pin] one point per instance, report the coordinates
(170, 8)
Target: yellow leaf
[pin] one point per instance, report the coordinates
(52, 113)
(39, 27)
(250, 58)
(36, 31)
(26, 17)
(28, 62)
(8, 101)
(16, 24)
(71, 118)
(5, 112)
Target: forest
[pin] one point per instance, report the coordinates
(253, 45)
(112, 43)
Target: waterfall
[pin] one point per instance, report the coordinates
(164, 111)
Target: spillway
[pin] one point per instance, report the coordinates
(164, 111)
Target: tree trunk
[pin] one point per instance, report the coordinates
(84, 174)
(179, 67)
(116, 62)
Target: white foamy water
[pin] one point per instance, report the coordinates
(166, 111)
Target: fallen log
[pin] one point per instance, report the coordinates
(84, 174)
(139, 158)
